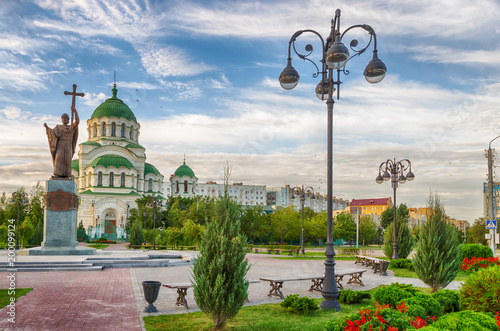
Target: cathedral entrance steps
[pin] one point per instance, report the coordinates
(130, 263)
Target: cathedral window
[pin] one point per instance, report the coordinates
(113, 129)
(99, 179)
(94, 130)
(150, 185)
(111, 179)
(177, 187)
(103, 129)
(133, 181)
(131, 132)
(185, 186)
(123, 130)
(122, 179)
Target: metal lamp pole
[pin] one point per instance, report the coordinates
(19, 198)
(334, 56)
(301, 192)
(155, 202)
(395, 171)
(491, 194)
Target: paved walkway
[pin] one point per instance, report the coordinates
(113, 299)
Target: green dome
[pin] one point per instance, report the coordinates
(75, 165)
(150, 169)
(184, 170)
(112, 160)
(114, 107)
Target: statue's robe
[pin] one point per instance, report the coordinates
(62, 148)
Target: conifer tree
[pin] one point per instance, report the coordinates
(136, 233)
(438, 258)
(219, 272)
(405, 239)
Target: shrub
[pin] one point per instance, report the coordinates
(405, 240)
(399, 263)
(349, 296)
(431, 306)
(475, 250)
(464, 320)
(448, 299)
(481, 291)
(437, 260)
(302, 305)
(394, 293)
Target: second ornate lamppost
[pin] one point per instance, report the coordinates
(154, 202)
(334, 56)
(302, 193)
(395, 171)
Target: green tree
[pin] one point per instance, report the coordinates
(438, 258)
(405, 239)
(475, 234)
(344, 227)
(367, 230)
(192, 232)
(220, 284)
(319, 227)
(255, 223)
(285, 224)
(387, 216)
(136, 233)
(26, 230)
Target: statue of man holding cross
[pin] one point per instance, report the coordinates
(62, 140)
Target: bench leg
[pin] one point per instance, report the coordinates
(181, 299)
(339, 284)
(317, 285)
(355, 278)
(276, 289)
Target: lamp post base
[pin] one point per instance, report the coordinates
(330, 291)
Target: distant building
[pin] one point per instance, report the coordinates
(418, 216)
(371, 207)
(459, 224)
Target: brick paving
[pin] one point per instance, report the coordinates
(113, 299)
(73, 300)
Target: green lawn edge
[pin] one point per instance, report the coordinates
(6, 294)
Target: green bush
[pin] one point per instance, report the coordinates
(466, 320)
(349, 296)
(431, 305)
(475, 250)
(301, 306)
(448, 299)
(399, 263)
(136, 234)
(394, 293)
(481, 291)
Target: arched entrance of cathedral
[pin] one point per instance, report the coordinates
(110, 225)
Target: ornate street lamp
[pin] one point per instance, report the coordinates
(19, 198)
(334, 56)
(154, 202)
(395, 171)
(302, 192)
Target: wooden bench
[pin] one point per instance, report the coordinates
(182, 291)
(377, 264)
(276, 283)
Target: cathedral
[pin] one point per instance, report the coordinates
(111, 170)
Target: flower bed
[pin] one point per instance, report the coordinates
(475, 263)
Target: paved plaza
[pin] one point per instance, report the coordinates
(112, 299)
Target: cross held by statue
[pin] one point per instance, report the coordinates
(74, 94)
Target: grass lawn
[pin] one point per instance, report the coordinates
(267, 317)
(402, 272)
(5, 297)
(98, 246)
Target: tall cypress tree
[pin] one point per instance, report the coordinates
(405, 239)
(220, 284)
(438, 258)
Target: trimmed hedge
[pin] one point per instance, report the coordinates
(475, 250)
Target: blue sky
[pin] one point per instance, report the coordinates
(201, 78)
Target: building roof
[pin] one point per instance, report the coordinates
(112, 160)
(184, 170)
(114, 107)
(150, 169)
(75, 165)
(110, 193)
(370, 202)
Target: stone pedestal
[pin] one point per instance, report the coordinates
(60, 221)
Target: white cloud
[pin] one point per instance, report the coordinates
(93, 99)
(12, 113)
(169, 61)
